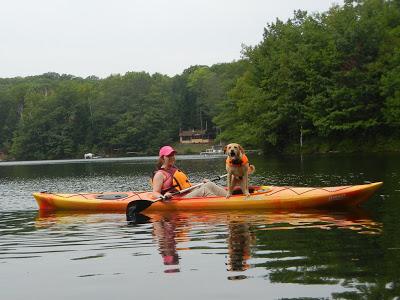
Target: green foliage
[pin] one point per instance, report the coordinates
(328, 82)
(50, 126)
(323, 76)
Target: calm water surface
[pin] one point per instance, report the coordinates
(347, 254)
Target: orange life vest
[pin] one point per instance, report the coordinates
(240, 162)
(174, 180)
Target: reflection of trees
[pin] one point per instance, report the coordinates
(314, 247)
(377, 290)
(309, 255)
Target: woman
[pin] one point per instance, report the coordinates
(168, 179)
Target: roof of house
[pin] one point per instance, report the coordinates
(191, 132)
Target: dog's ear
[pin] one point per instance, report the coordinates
(241, 149)
(226, 147)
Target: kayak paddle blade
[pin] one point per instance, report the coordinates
(137, 219)
(137, 206)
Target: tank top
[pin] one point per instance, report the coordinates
(168, 180)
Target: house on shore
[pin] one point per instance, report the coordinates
(194, 136)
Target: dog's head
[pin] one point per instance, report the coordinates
(234, 151)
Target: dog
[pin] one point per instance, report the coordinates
(238, 168)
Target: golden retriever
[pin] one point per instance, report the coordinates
(238, 168)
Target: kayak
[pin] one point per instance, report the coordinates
(261, 197)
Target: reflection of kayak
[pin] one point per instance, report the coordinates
(263, 197)
(355, 219)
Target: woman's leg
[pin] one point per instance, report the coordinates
(206, 190)
(215, 189)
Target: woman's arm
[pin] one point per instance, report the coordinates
(158, 181)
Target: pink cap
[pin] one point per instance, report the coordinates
(166, 150)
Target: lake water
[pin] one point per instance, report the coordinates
(347, 254)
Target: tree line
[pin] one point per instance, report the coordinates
(315, 83)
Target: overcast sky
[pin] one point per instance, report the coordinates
(103, 37)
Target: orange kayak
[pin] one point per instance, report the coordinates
(262, 197)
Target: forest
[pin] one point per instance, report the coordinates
(320, 82)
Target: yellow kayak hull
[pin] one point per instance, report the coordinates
(263, 197)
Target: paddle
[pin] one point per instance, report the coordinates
(137, 206)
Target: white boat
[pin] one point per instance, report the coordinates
(91, 156)
(212, 152)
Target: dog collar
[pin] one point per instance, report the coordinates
(237, 162)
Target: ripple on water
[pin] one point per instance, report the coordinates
(244, 245)
(313, 254)
(26, 235)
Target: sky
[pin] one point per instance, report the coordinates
(104, 37)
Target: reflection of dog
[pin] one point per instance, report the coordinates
(238, 168)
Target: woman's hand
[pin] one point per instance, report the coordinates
(167, 195)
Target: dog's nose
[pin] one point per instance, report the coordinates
(232, 153)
